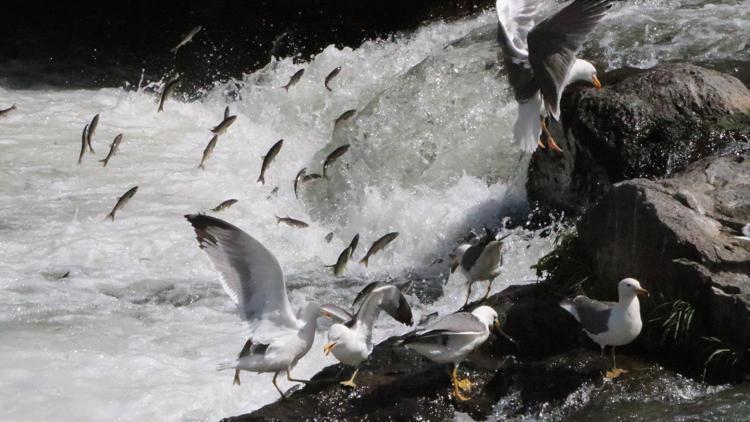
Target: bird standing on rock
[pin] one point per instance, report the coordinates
(478, 262)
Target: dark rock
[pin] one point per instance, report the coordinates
(644, 123)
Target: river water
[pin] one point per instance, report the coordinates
(136, 329)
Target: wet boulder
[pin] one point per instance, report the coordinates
(643, 123)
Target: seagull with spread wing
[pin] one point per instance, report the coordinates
(351, 342)
(252, 277)
(540, 60)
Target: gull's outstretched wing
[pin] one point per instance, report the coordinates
(336, 313)
(553, 43)
(378, 296)
(515, 20)
(250, 274)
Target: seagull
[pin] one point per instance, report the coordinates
(479, 262)
(252, 277)
(540, 60)
(452, 338)
(610, 323)
(351, 342)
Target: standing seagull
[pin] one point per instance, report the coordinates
(252, 277)
(610, 323)
(478, 262)
(351, 341)
(541, 62)
(452, 338)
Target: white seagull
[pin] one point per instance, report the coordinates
(610, 323)
(540, 60)
(351, 342)
(452, 338)
(478, 262)
(252, 277)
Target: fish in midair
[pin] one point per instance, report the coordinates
(294, 79)
(353, 244)
(298, 179)
(168, 89)
(224, 205)
(273, 193)
(344, 116)
(329, 237)
(226, 112)
(90, 133)
(330, 77)
(7, 110)
(291, 222)
(378, 246)
(340, 265)
(187, 38)
(121, 202)
(338, 152)
(222, 127)
(268, 158)
(277, 42)
(83, 142)
(207, 152)
(112, 150)
(310, 177)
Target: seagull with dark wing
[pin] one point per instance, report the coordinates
(540, 60)
(479, 262)
(252, 277)
(351, 342)
(452, 338)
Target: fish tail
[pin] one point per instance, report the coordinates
(329, 89)
(202, 166)
(278, 219)
(104, 162)
(161, 107)
(111, 216)
(261, 180)
(236, 377)
(365, 260)
(286, 88)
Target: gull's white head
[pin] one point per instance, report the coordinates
(628, 288)
(584, 71)
(487, 315)
(337, 334)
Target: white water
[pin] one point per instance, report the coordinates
(136, 331)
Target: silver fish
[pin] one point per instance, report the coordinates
(338, 152)
(298, 179)
(83, 142)
(7, 110)
(344, 116)
(187, 38)
(112, 150)
(273, 193)
(224, 205)
(121, 202)
(222, 127)
(268, 158)
(340, 265)
(353, 243)
(309, 178)
(90, 134)
(378, 246)
(330, 77)
(226, 112)
(207, 152)
(168, 89)
(291, 222)
(294, 79)
(329, 237)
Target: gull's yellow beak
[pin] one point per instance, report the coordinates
(328, 347)
(641, 291)
(595, 81)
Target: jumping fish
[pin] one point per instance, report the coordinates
(298, 179)
(112, 150)
(224, 205)
(187, 38)
(83, 143)
(274, 192)
(90, 133)
(329, 237)
(222, 127)
(168, 88)
(7, 110)
(338, 152)
(310, 177)
(291, 222)
(268, 158)
(344, 116)
(294, 79)
(330, 77)
(378, 246)
(340, 265)
(121, 202)
(207, 152)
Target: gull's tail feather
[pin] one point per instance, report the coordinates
(569, 306)
(226, 365)
(528, 125)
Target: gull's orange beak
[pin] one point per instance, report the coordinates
(595, 81)
(641, 292)
(328, 347)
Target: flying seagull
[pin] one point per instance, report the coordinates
(351, 342)
(478, 262)
(610, 323)
(252, 277)
(540, 60)
(452, 338)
